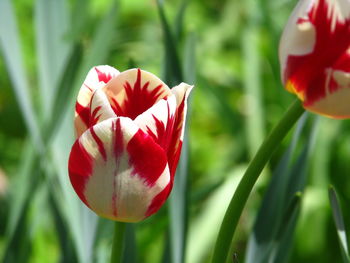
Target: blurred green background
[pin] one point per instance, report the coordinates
(229, 50)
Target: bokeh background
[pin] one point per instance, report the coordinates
(229, 50)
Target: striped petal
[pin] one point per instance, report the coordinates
(100, 109)
(181, 93)
(134, 91)
(314, 56)
(97, 77)
(119, 171)
(158, 121)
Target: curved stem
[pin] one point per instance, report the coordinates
(118, 242)
(239, 199)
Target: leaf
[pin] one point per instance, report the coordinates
(130, 253)
(285, 233)
(252, 85)
(172, 70)
(11, 50)
(52, 23)
(63, 93)
(270, 211)
(101, 43)
(17, 226)
(80, 220)
(339, 223)
(202, 234)
(189, 65)
(273, 232)
(180, 19)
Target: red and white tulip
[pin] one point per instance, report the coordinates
(315, 56)
(130, 128)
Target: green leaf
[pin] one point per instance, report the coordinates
(252, 85)
(101, 43)
(173, 76)
(179, 196)
(272, 234)
(339, 223)
(52, 23)
(189, 65)
(82, 223)
(130, 253)
(64, 92)
(172, 70)
(285, 233)
(180, 19)
(21, 196)
(11, 50)
(202, 234)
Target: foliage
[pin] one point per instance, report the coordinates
(228, 49)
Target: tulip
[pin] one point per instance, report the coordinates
(315, 56)
(129, 129)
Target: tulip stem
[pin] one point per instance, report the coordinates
(239, 199)
(118, 242)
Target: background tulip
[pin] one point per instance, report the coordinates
(130, 128)
(315, 57)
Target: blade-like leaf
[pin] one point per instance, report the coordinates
(81, 222)
(268, 242)
(339, 223)
(64, 92)
(180, 19)
(178, 198)
(52, 23)
(172, 69)
(23, 188)
(201, 232)
(255, 110)
(270, 212)
(101, 43)
(11, 50)
(285, 233)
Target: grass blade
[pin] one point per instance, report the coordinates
(172, 70)
(51, 24)
(265, 242)
(339, 223)
(11, 50)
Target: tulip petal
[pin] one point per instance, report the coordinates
(98, 76)
(181, 93)
(134, 91)
(100, 109)
(314, 48)
(118, 170)
(158, 121)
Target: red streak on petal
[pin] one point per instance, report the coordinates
(88, 87)
(138, 98)
(83, 113)
(94, 116)
(118, 149)
(158, 200)
(308, 73)
(176, 144)
(103, 76)
(80, 167)
(163, 135)
(146, 157)
(100, 145)
(118, 143)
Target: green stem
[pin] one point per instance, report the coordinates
(239, 199)
(118, 242)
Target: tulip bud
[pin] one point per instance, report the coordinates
(130, 129)
(315, 56)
